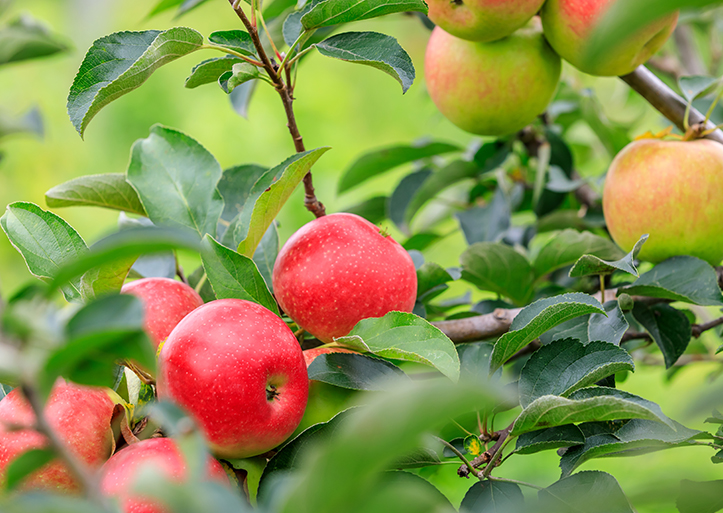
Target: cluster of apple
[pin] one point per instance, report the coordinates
(233, 365)
(492, 67)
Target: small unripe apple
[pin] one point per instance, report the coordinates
(163, 456)
(671, 190)
(492, 88)
(81, 417)
(569, 25)
(238, 370)
(165, 303)
(482, 20)
(340, 269)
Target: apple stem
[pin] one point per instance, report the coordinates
(602, 288)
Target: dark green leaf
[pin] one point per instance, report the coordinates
(206, 291)
(550, 438)
(209, 71)
(109, 190)
(670, 328)
(498, 268)
(355, 371)
(539, 317)
(27, 38)
(566, 247)
(333, 12)
(589, 328)
(696, 86)
(682, 278)
(567, 365)
(234, 276)
(238, 40)
(429, 277)
(24, 465)
(371, 49)
(402, 195)
(30, 122)
(380, 161)
(240, 73)
(121, 62)
(373, 210)
(487, 223)
(265, 255)
(700, 497)
(176, 180)
(235, 187)
(492, 497)
(585, 492)
(593, 265)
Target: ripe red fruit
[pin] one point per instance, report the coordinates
(160, 454)
(340, 269)
(238, 369)
(81, 416)
(166, 302)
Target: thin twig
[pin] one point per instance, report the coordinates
(461, 456)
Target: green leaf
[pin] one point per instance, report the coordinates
(567, 365)
(109, 190)
(27, 38)
(492, 497)
(700, 497)
(430, 278)
(237, 40)
(240, 74)
(24, 465)
(235, 187)
(593, 265)
(29, 122)
(265, 255)
(559, 182)
(419, 458)
(268, 202)
(176, 180)
(586, 405)
(254, 468)
(487, 223)
(46, 242)
(474, 360)
(107, 278)
(585, 492)
(624, 438)
(121, 62)
(681, 278)
(594, 327)
(334, 12)
(206, 291)
(240, 98)
(377, 162)
(404, 336)
(498, 268)
(568, 246)
(355, 371)
(4, 390)
(164, 5)
(373, 210)
(550, 438)
(234, 276)
(371, 49)
(669, 327)
(696, 86)
(539, 317)
(210, 70)
(402, 195)
(187, 5)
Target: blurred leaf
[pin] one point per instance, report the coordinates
(585, 492)
(403, 194)
(567, 365)
(624, 438)
(241, 96)
(670, 328)
(487, 223)
(24, 465)
(46, 503)
(254, 468)
(333, 12)
(240, 73)
(234, 276)
(373, 210)
(206, 291)
(559, 182)
(164, 5)
(592, 404)
(418, 458)
(27, 38)
(404, 336)
(380, 161)
(46, 242)
(693, 87)
(593, 265)
(614, 137)
(474, 360)
(30, 122)
(568, 246)
(209, 71)
(238, 40)
(176, 180)
(109, 190)
(452, 173)
(355, 371)
(107, 278)
(429, 278)
(265, 255)
(371, 49)
(187, 5)
(681, 278)
(594, 327)
(404, 491)
(550, 438)
(498, 268)
(268, 201)
(539, 317)
(154, 265)
(4, 390)
(119, 63)
(420, 241)
(700, 497)
(492, 497)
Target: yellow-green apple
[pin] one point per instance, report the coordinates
(160, 455)
(569, 25)
(165, 303)
(671, 190)
(482, 20)
(340, 269)
(81, 417)
(238, 370)
(492, 88)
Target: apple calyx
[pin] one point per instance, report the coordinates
(272, 393)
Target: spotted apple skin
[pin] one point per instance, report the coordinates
(239, 371)
(340, 269)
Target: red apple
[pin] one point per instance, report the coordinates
(569, 24)
(482, 20)
(340, 269)
(492, 88)
(311, 354)
(238, 369)
(671, 190)
(166, 302)
(160, 454)
(81, 416)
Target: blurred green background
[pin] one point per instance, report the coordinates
(351, 108)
